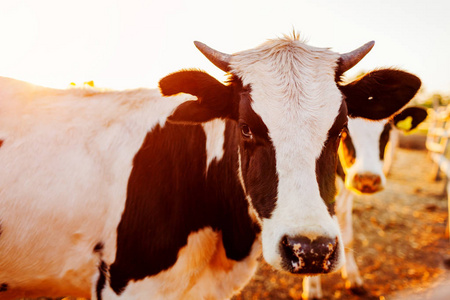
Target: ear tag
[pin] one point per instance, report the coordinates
(405, 124)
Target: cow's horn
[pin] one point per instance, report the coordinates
(350, 59)
(219, 59)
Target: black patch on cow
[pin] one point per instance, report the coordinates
(169, 196)
(384, 139)
(101, 282)
(99, 247)
(327, 163)
(418, 115)
(257, 157)
(3, 287)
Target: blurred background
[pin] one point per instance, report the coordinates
(127, 44)
(400, 242)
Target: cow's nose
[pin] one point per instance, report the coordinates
(367, 183)
(302, 255)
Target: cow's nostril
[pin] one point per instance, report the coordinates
(302, 255)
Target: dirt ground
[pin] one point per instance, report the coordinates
(400, 241)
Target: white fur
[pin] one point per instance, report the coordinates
(344, 209)
(215, 138)
(201, 272)
(63, 180)
(350, 273)
(365, 136)
(294, 92)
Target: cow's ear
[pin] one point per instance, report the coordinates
(214, 98)
(380, 94)
(415, 114)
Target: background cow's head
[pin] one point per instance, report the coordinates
(289, 109)
(362, 150)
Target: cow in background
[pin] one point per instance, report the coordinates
(365, 154)
(131, 195)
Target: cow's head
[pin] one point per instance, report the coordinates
(289, 109)
(363, 146)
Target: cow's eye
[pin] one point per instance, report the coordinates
(246, 132)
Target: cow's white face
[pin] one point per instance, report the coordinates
(285, 116)
(361, 154)
(287, 110)
(363, 146)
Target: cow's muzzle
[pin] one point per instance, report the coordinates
(367, 183)
(302, 255)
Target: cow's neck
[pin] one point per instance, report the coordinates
(159, 217)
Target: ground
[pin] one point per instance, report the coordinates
(400, 242)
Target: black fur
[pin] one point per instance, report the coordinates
(170, 197)
(380, 93)
(101, 282)
(3, 287)
(418, 115)
(258, 157)
(215, 100)
(384, 139)
(327, 163)
(98, 247)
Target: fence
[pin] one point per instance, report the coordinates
(437, 143)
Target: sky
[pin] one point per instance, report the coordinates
(128, 44)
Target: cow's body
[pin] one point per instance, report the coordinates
(55, 243)
(127, 195)
(366, 155)
(49, 240)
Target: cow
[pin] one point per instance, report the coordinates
(173, 193)
(366, 153)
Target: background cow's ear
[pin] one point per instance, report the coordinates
(416, 114)
(214, 98)
(380, 93)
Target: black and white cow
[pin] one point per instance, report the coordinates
(131, 195)
(365, 154)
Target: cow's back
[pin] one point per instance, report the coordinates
(66, 157)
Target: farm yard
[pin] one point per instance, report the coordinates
(207, 117)
(400, 242)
